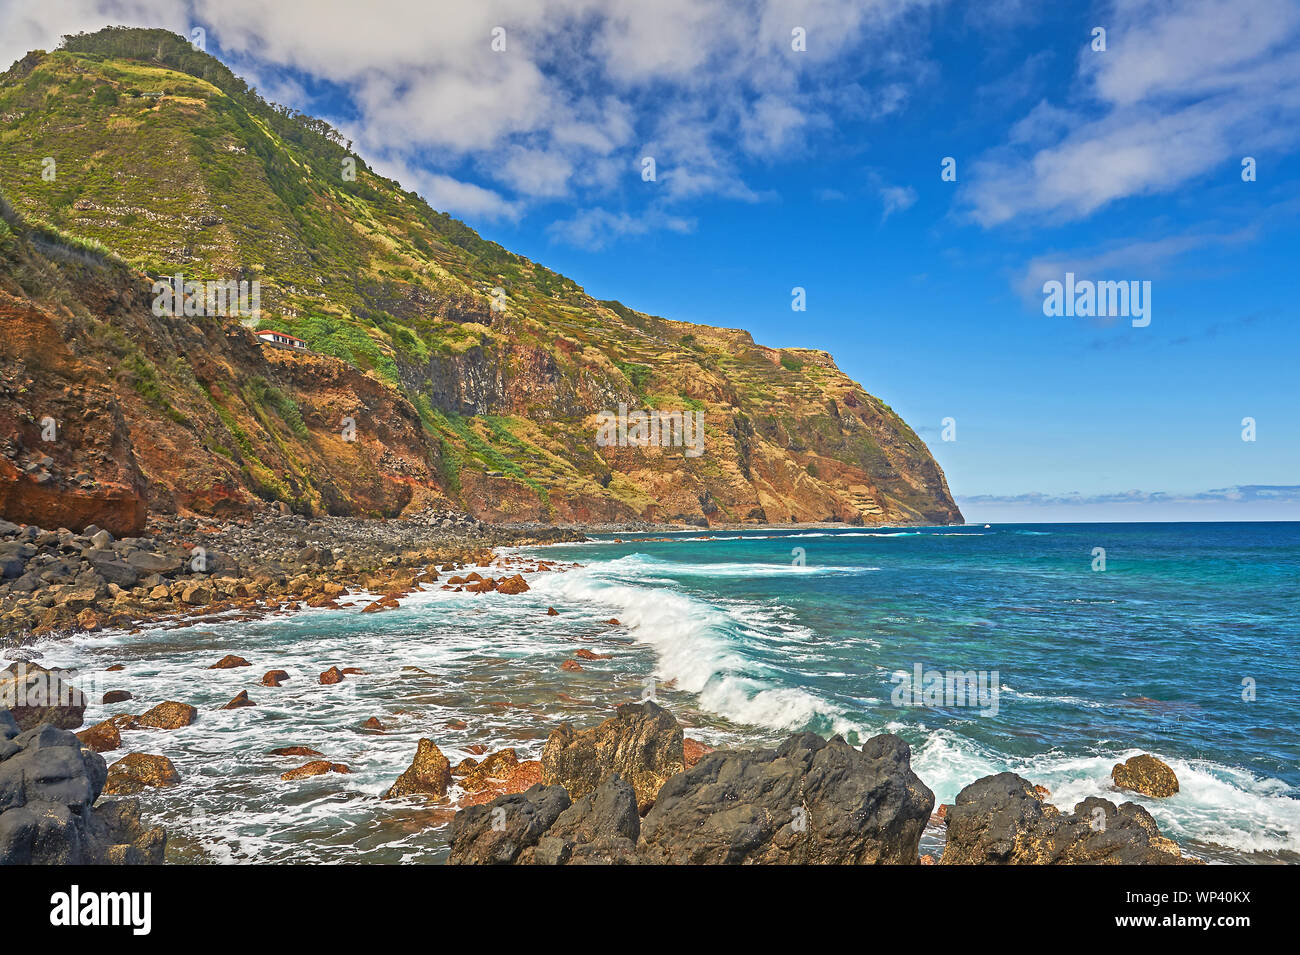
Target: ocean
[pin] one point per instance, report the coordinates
(1180, 640)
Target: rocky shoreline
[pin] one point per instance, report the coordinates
(56, 582)
(631, 790)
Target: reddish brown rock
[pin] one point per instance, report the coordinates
(585, 654)
(456, 725)
(482, 586)
(428, 775)
(1146, 775)
(317, 767)
(494, 768)
(230, 662)
(116, 668)
(1041, 792)
(927, 859)
(572, 665)
(239, 702)
(116, 696)
(693, 751)
(170, 715)
(512, 585)
(101, 738)
(552, 612)
(274, 677)
(373, 724)
(138, 771)
(350, 671)
(613, 622)
(331, 676)
(464, 766)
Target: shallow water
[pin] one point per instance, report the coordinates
(748, 637)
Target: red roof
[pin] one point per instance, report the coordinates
(281, 334)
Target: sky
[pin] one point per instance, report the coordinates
(802, 144)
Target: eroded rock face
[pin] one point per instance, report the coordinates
(49, 785)
(642, 743)
(1146, 775)
(429, 774)
(999, 820)
(34, 696)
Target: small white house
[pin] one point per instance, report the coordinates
(282, 340)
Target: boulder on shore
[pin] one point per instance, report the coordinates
(428, 775)
(642, 743)
(999, 820)
(1146, 775)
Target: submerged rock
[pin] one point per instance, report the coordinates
(317, 767)
(1146, 775)
(642, 743)
(999, 820)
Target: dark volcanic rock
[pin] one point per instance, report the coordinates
(999, 820)
(809, 801)
(641, 742)
(601, 828)
(49, 784)
(496, 833)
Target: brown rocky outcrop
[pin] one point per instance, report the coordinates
(274, 677)
(318, 767)
(642, 743)
(240, 701)
(139, 771)
(331, 676)
(101, 738)
(229, 662)
(428, 775)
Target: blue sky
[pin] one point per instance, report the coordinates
(821, 168)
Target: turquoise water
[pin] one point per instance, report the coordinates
(749, 636)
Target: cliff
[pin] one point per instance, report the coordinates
(471, 377)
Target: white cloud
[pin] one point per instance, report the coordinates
(595, 228)
(582, 86)
(1182, 89)
(896, 199)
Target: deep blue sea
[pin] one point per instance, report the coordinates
(1184, 646)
